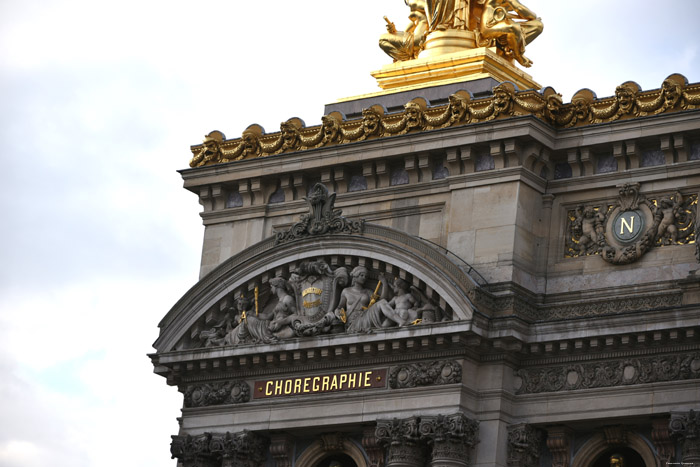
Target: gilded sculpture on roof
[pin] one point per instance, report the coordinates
(507, 25)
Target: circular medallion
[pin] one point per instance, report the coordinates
(627, 226)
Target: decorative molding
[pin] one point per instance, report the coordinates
(221, 393)
(609, 373)
(282, 449)
(524, 443)
(686, 428)
(629, 101)
(370, 444)
(425, 374)
(321, 219)
(613, 306)
(559, 445)
(661, 437)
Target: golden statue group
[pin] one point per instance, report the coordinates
(507, 25)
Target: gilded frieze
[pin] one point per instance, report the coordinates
(623, 232)
(629, 101)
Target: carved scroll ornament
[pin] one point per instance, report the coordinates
(321, 219)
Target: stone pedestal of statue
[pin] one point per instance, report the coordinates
(434, 67)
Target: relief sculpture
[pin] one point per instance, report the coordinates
(623, 232)
(318, 299)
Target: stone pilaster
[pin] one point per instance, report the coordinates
(452, 438)
(371, 445)
(661, 436)
(402, 441)
(559, 445)
(524, 443)
(192, 451)
(686, 428)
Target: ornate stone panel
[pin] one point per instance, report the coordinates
(220, 393)
(624, 231)
(425, 374)
(609, 373)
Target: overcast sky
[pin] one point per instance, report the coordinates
(100, 102)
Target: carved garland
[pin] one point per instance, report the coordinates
(228, 392)
(609, 373)
(425, 374)
(675, 94)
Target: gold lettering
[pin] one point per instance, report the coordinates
(334, 383)
(324, 384)
(268, 392)
(297, 385)
(278, 387)
(288, 386)
(306, 384)
(313, 290)
(624, 224)
(315, 383)
(343, 380)
(351, 380)
(368, 384)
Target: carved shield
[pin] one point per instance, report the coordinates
(316, 288)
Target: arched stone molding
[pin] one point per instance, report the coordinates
(598, 444)
(430, 265)
(321, 449)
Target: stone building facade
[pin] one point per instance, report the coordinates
(493, 279)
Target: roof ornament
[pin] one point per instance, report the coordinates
(321, 219)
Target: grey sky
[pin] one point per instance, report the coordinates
(100, 103)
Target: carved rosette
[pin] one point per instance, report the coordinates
(686, 428)
(524, 443)
(221, 393)
(609, 373)
(402, 441)
(452, 438)
(623, 232)
(322, 218)
(425, 374)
